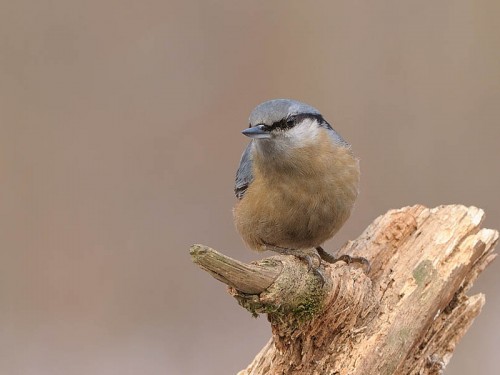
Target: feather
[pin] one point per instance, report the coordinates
(244, 174)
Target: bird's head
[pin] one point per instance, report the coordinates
(284, 124)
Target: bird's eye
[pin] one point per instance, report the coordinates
(290, 123)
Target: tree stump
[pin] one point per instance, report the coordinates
(404, 317)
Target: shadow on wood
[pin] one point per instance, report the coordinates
(405, 317)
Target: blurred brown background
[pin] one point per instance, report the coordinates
(120, 135)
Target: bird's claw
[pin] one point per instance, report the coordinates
(308, 258)
(310, 266)
(317, 271)
(309, 261)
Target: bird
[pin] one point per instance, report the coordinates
(296, 183)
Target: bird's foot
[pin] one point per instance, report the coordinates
(327, 257)
(306, 257)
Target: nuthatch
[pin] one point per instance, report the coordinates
(296, 183)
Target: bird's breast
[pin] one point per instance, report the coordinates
(299, 201)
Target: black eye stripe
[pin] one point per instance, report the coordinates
(291, 121)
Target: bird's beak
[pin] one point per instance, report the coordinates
(257, 132)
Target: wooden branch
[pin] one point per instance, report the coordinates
(247, 278)
(405, 317)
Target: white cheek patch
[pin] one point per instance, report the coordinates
(304, 133)
(283, 142)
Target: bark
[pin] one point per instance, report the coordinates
(404, 317)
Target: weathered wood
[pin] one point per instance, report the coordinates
(247, 278)
(405, 317)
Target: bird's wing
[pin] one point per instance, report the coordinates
(244, 174)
